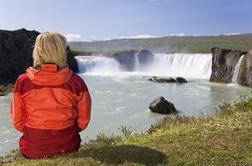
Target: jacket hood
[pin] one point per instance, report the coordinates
(48, 75)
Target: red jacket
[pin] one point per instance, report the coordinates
(50, 107)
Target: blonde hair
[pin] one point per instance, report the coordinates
(50, 47)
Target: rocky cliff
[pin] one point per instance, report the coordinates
(16, 54)
(131, 60)
(245, 77)
(224, 64)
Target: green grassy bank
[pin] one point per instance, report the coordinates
(223, 139)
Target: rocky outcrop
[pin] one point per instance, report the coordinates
(133, 59)
(167, 79)
(161, 80)
(162, 106)
(145, 57)
(126, 59)
(245, 73)
(16, 54)
(181, 80)
(223, 64)
(71, 61)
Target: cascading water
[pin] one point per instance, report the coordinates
(137, 63)
(237, 71)
(184, 65)
(97, 65)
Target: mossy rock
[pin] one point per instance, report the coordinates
(5, 89)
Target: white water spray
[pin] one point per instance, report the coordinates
(184, 65)
(98, 65)
(137, 63)
(237, 71)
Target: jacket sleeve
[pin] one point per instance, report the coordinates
(84, 108)
(17, 109)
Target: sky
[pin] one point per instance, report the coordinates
(88, 20)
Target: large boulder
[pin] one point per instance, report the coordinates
(162, 106)
(16, 54)
(223, 64)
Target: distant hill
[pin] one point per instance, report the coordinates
(178, 44)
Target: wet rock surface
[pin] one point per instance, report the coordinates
(162, 106)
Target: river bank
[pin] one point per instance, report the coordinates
(223, 139)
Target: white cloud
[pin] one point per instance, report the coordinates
(230, 34)
(177, 34)
(143, 36)
(73, 37)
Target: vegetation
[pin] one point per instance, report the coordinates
(117, 51)
(6, 88)
(223, 139)
(184, 44)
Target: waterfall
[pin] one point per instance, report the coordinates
(184, 65)
(97, 65)
(137, 63)
(235, 78)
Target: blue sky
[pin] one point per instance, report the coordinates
(107, 19)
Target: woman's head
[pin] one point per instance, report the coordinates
(50, 47)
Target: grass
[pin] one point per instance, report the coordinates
(223, 139)
(184, 44)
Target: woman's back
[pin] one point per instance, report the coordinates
(50, 107)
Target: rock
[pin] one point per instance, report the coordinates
(133, 59)
(167, 79)
(162, 106)
(245, 73)
(126, 59)
(162, 80)
(145, 57)
(71, 61)
(223, 64)
(181, 80)
(16, 54)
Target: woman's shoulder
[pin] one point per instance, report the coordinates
(78, 81)
(22, 77)
(77, 78)
(22, 82)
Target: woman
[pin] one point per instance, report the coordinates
(50, 104)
